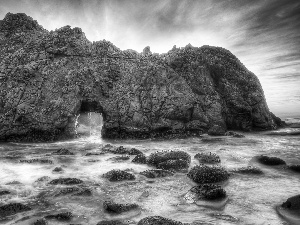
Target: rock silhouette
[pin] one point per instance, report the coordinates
(48, 78)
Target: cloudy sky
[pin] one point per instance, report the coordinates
(263, 34)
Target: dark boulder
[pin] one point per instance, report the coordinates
(210, 158)
(209, 192)
(40, 222)
(65, 216)
(292, 203)
(120, 158)
(57, 169)
(4, 192)
(158, 220)
(208, 174)
(270, 161)
(66, 181)
(174, 160)
(118, 175)
(295, 168)
(156, 173)
(113, 207)
(13, 208)
(140, 159)
(62, 151)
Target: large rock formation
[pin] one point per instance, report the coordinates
(48, 78)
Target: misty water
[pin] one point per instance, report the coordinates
(252, 199)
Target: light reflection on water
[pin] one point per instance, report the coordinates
(252, 199)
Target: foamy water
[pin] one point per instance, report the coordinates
(251, 198)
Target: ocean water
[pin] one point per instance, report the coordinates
(252, 199)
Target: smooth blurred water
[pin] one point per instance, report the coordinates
(251, 198)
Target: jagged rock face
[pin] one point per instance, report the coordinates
(48, 78)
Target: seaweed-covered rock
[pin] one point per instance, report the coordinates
(175, 160)
(13, 208)
(65, 216)
(248, 170)
(292, 203)
(57, 169)
(38, 160)
(158, 220)
(208, 174)
(217, 130)
(66, 181)
(140, 159)
(62, 151)
(4, 192)
(111, 222)
(113, 207)
(295, 168)
(122, 150)
(209, 192)
(40, 222)
(118, 175)
(207, 157)
(270, 161)
(156, 173)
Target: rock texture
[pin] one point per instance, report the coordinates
(48, 78)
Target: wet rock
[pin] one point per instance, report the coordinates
(292, 203)
(113, 207)
(66, 191)
(15, 182)
(40, 222)
(207, 158)
(208, 174)
(43, 161)
(58, 169)
(140, 159)
(270, 161)
(122, 150)
(111, 222)
(295, 168)
(13, 208)
(209, 192)
(156, 173)
(118, 175)
(65, 216)
(4, 192)
(175, 160)
(119, 158)
(62, 151)
(234, 134)
(248, 170)
(93, 153)
(158, 220)
(66, 181)
(84, 192)
(217, 130)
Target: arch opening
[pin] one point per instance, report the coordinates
(89, 119)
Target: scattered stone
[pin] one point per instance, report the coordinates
(14, 183)
(65, 216)
(43, 161)
(295, 168)
(270, 161)
(119, 158)
(111, 222)
(62, 151)
(122, 150)
(13, 208)
(170, 160)
(234, 134)
(140, 159)
(4, 192)
(217, 130)
(209, 192)
(207, 158)
(84, 192)
(118, 175)
(158, 220)
(292, 203)
(40, 222)
(248, 170)
(66, 181)
(113, 207)
(93, 153)
(208, 174)
(156, 173)
(58, 169)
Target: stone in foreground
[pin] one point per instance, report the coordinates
(118, 175)
(208, 174)
(113, 207)
(13, 208)
(158, 220)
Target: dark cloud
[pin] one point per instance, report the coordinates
(263, 34)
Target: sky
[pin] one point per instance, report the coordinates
(263, 34)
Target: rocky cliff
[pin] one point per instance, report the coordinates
(48, 78)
